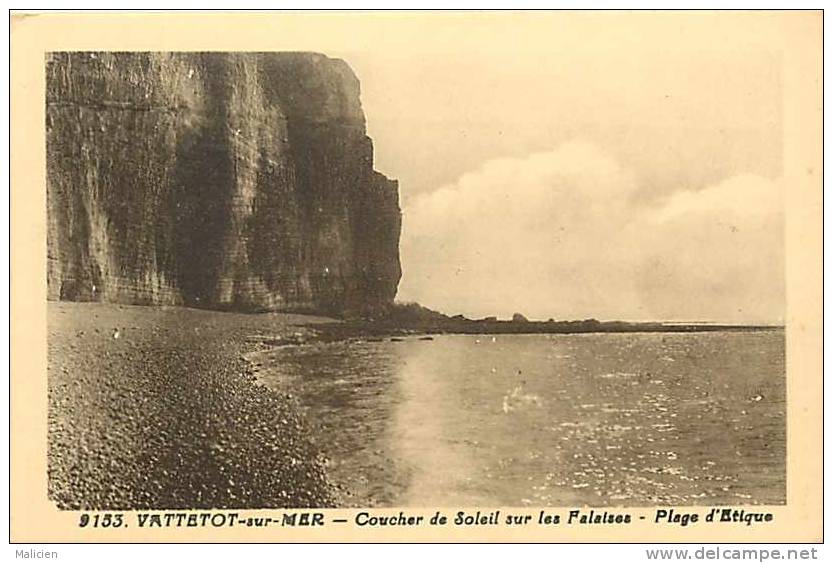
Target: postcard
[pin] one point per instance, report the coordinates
(416, 276)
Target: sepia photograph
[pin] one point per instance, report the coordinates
(509, 272)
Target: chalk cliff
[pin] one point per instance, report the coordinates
(223, 180)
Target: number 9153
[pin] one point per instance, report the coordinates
(101, 521)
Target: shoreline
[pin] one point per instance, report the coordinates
(163, 407)
(376, 330)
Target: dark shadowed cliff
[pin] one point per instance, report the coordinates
(224, 180)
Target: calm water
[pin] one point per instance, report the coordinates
(547, 420)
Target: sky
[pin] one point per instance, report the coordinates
(577, 167)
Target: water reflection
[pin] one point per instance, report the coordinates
(630, 419)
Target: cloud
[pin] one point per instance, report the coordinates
(563, 234)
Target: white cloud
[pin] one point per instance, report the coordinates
(560, 234)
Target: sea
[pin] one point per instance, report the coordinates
(633, 419)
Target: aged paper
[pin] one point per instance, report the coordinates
(221, 224)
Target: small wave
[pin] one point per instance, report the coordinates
(626, 412)
(572, 424)
(618, 374)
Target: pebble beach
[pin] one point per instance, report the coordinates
(158, 408)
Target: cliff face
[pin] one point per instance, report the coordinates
(224, 180)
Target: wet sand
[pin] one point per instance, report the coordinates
(158, 408)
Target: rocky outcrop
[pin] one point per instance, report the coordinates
(223, 180)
